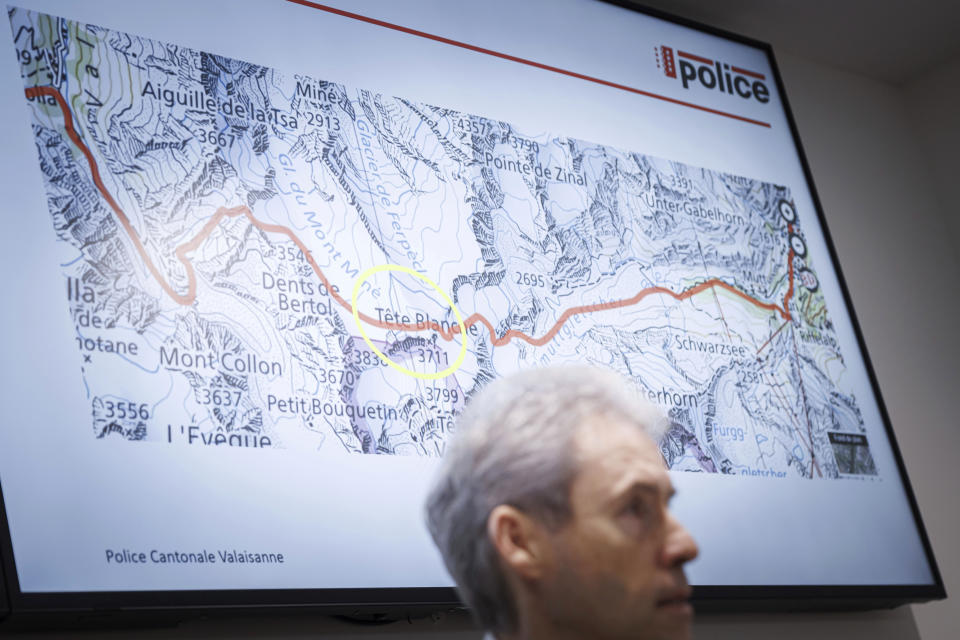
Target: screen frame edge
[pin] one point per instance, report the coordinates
(937, 589)
(193, 603)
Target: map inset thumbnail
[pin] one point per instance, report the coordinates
(214, 216)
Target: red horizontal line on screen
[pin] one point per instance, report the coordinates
(752, 74)
(690, 56)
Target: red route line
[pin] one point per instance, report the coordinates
(772, 336)
(821, 310)
(512, 58)
(221, 213)
(790, 256)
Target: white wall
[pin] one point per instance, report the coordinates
(932, 105)
(877, 184)
(932, 100)
(898, 253)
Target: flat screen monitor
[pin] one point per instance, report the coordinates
(260, 254)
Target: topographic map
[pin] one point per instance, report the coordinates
(261, 259)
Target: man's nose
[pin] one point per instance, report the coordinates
(680, 546)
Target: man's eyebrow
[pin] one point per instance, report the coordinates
(651, 487)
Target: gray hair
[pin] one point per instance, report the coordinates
(514, 445)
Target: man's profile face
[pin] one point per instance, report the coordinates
(617, 569)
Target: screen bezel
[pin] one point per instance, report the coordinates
(403, 601)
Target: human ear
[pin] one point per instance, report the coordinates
(519, 540)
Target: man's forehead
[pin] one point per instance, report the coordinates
(603, 433)
(615, 450)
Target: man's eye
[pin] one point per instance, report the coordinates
(637, 507)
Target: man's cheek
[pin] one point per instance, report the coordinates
(639, 575)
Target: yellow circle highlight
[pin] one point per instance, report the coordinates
(410, 372)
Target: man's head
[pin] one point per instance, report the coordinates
(551, 510)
